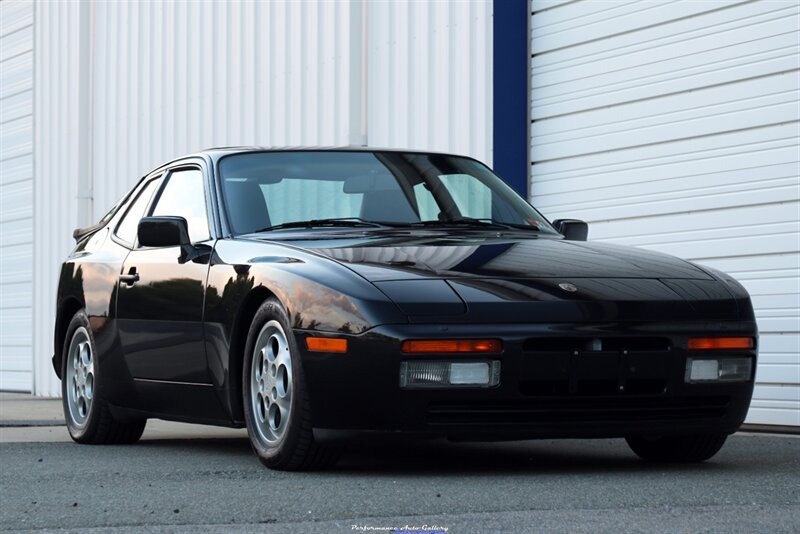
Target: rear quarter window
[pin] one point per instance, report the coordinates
(128, 226)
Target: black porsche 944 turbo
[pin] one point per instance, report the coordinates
(310, 295)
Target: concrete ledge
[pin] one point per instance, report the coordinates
(770, 429)
(30, 422)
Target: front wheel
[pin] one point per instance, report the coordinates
(676, 449)
(276, 404)
(88, 416)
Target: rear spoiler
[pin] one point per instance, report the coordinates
(80, 233)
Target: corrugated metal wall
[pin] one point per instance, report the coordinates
(16, 194)
(430, 76)
(60, 196)
(674, 126)
(162, 79)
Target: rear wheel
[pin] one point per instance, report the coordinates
(276, 405)
(693, 448)
(88, 417)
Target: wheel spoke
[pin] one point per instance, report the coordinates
(282, 356)
(284, 403)
(263, 363)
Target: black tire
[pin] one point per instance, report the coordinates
(93, 423)
(294, 448)
(677, 449)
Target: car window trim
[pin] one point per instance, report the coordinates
(217, 226)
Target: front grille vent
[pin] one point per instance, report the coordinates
(596, 366)
(555, 388)
(571, 344)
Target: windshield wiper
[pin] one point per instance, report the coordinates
(477, 223)
(342, 222)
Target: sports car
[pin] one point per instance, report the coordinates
(316, 295)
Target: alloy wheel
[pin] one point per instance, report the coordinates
(80, 377)
(271, 383)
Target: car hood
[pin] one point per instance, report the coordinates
(482, 279)
(404, 257)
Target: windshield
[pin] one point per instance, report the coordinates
(266, 191)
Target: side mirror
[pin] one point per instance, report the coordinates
(163, 232)
(573, 229)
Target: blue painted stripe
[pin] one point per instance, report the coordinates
(510, 81)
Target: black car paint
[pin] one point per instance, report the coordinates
(171, 344)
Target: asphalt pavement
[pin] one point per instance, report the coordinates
(188, 478)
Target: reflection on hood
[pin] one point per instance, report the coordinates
(524, 258)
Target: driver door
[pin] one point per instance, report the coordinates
(160, 299)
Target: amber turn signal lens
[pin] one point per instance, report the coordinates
(435, 346)
(326, 344)
(717, 343)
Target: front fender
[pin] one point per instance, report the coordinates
(318, 294)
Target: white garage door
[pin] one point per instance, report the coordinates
(16, 194)
(674, 126)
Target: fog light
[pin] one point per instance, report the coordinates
(438, 374)
(718, 369)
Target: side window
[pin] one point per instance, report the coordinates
(127, 227)
(184, 196)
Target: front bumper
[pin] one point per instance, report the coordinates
(554, 383)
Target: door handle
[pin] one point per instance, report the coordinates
(131, 278)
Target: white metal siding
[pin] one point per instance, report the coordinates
(16, 194)
(430, 76)
(173, 78)
(674, 126)
(122, 87)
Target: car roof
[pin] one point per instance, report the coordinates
(218, 152)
